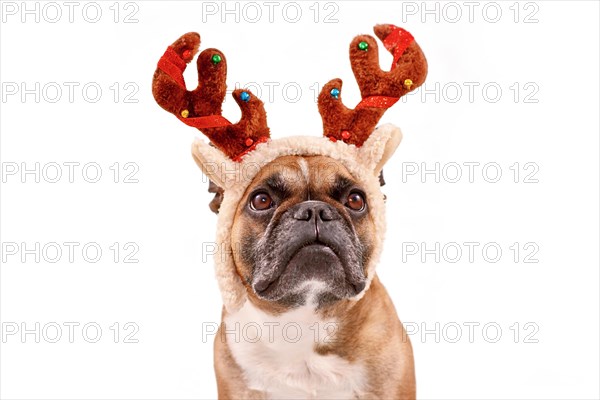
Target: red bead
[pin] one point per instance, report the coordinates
(345, 135)
(333, 139)
(187, 54)
(249, 142)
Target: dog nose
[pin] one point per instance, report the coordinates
(313, 209)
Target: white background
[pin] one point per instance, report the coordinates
(548, 50)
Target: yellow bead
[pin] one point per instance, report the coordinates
(408, 83)
(185, 113)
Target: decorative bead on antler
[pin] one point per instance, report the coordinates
(379, 89)
(201, 107)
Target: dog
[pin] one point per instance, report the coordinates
(305, 239)
(301, 222)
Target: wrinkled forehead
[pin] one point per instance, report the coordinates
(301, 171)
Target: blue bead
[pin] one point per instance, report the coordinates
(245, 96)
(335, 93)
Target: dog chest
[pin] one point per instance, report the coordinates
(277, 355)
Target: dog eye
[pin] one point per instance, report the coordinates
(356, 201)
(261, 201)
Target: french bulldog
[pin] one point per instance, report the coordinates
(305, 233)
(300, 229)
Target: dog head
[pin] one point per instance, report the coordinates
(301, 219)
(299, 216)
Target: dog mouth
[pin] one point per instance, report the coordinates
(313, 261)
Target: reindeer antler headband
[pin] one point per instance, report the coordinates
(201, 107)
(350, 136)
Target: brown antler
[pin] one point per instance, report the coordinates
(201, 108)
(379, 89)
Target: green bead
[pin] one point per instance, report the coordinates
(216, 58)
(363, 46)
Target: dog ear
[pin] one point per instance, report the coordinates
(215, 203)
(379, 147)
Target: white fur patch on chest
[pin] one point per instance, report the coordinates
(277, 355)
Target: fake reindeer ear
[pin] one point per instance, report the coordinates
(379, 89)
(217, 166)
(201, 107)
(379, 147)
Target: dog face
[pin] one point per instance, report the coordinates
(303, 227)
